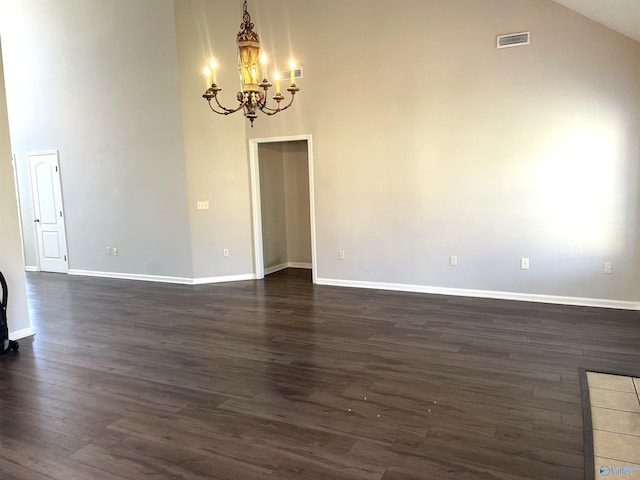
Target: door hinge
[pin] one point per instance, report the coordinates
(56, 168)
(65, 258)
(60, 213)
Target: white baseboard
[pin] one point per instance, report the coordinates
(132, 276)
(282, 266)
(162, 279)
(19, 334)
(275, 268)
(299, 265)
(463, 292)
(30, 268)
(229, 278)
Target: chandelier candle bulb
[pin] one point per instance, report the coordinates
(213, 66)
(207, 76)
(276, 75)
(292, 66)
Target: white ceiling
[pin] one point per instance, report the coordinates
(620, 15)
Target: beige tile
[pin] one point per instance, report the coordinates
(615, 421)
(610, 382)
(607, 467)
(625, 448)
(612, 399)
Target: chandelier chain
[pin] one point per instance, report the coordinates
(246, 25)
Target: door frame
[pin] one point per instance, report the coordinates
(33, 206)
(256, 204)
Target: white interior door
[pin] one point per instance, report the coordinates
(49, 213)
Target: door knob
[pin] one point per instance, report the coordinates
(37, 220)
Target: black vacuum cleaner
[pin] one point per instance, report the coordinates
(6, 345)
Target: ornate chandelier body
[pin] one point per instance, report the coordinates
(253, 96)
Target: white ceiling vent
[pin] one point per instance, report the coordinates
(513, 40)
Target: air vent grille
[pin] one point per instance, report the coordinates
(513, 40)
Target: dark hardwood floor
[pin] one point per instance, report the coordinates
(281, 379)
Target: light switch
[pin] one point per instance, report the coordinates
(202, 205)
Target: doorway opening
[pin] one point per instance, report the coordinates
(283, 209)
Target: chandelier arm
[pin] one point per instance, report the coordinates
(271, 111)
(229, 110)
(226, 111)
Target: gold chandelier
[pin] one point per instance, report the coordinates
(253, 96)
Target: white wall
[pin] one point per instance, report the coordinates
(98, 81)
(430, 142)
(11, 262)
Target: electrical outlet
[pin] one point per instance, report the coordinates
(524, 263)
(108, 251)
(453, 260)
(606, 268)
(202, 205)
(341, 254)
(225, 252)
(115, 251)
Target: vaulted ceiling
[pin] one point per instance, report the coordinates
(620, 15)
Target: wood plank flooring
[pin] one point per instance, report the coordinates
(281, 379)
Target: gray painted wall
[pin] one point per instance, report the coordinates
(98, 81)
(217, 166)
(296, 186)
(430, 142)
(284, 196)
(11, 261)
(273, 205)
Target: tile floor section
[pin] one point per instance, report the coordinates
(615, 416)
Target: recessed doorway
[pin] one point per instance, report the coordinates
(282, 204)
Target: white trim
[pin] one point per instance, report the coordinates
(275, 268)
(463, 292)
(162, 279)
(31, 268)
(19, 334)
(299, 265)
(312, 212)
(282, 266)
(256, 210)
(228, 278)
(287, 138)
(132, 276)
